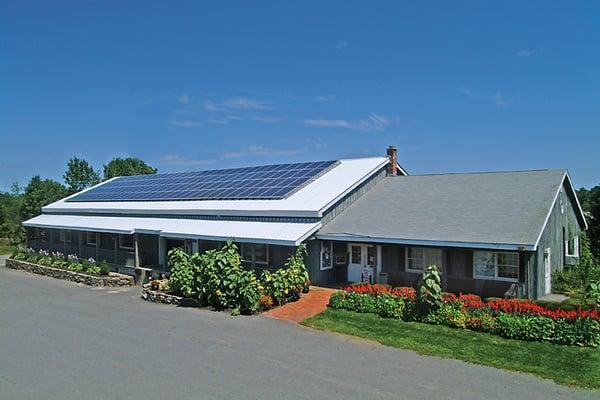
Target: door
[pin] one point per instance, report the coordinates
(363, 258)
(548, 271)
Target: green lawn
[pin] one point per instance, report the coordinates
(578, 366)
(6, 250)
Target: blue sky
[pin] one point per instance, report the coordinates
(455, 86)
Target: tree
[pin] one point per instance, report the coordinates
(127, 167)
(39, 193)
(79, 175)
(10, 221)
(590, 202)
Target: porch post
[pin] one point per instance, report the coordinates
(116, 251)
(97, 243)
(446, 268)
(81, 233)
(51, 239)
(137, 250)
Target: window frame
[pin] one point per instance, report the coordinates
(122, 246)
(65, 236)
(322, 253)
(87, 239)
(496, 277)
(575, 241)
(252, 260)
(424, 258)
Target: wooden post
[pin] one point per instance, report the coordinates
(97, 243)
(137, 250)
(446, 268)
(81, 233)
(116, 252)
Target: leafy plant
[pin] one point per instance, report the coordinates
(429, 290)
(592, 293)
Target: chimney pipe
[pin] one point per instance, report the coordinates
(392, 168)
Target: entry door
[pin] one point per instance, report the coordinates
(548, 271)
(361, 256)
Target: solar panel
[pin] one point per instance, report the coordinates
(268, 182)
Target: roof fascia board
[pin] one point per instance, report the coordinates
(436, 243)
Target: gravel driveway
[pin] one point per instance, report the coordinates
(59, 340)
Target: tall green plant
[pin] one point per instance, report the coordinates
(182, 273)
(429, 290)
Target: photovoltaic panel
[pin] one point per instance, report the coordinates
(268, 182)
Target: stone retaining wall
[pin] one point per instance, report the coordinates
(157, 296)
(112, 280)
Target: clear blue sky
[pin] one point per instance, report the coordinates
(456, 86)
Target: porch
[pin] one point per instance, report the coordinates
(486, 272)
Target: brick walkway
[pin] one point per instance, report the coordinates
(309, 304)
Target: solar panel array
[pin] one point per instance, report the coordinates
(269, 182)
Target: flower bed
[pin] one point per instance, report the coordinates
(217, 279)
(111, 280)
(58, 260)
(515, 319)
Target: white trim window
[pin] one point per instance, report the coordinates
(90, 238)
(502, 266)
(326, 255)
(417, 258)
(126, 242)
(64, 236)
(572, 246)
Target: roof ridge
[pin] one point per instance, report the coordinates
(492, 172)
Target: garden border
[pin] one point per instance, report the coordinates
(157, 296)
(112, 280)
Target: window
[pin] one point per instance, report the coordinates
(572, 246)
(372, 256)
(43, 235)
(417, 258)
(356, 255)
(126, 242)
(64, 236)
(90, 238)
(326, 255)
(496, 265)
(254, 253)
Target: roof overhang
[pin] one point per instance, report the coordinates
(276, 233)
(421, 242)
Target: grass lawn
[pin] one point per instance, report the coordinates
(577, 366)
(6, 250)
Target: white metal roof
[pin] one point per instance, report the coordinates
(310, 201)
(280, 233)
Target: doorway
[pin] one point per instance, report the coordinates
(548, 271)
(364, 262)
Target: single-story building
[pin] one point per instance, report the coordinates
(365, 219)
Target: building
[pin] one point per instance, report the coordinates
(494, 234)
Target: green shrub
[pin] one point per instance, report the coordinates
(390, 306)
(384, 305)
(93, 270)
(581, 331)
(525, 327)
(592, 293)
(104, 268)
(287, 282)
(181, 267)
(448, 315)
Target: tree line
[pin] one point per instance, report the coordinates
(21, 204)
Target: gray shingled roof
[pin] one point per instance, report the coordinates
(499, 208)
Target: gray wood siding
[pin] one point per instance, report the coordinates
(552, 238)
